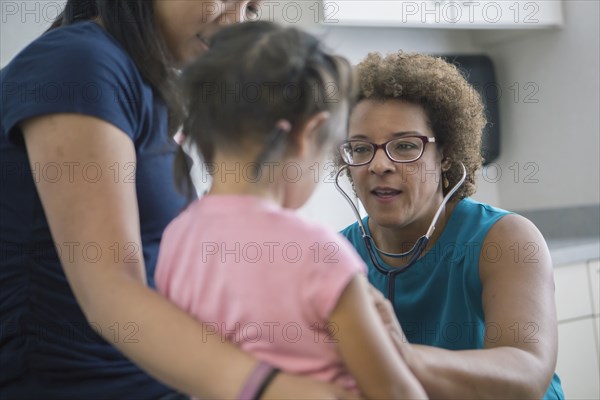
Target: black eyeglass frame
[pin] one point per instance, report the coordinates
(375, 146)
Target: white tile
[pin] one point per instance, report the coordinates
(572, 291)
(577, 364)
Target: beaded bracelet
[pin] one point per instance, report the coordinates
(258, 381)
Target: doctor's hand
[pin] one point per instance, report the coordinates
(388, 316)
(384, 308)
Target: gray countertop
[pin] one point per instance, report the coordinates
(573, 250)
(572, 233)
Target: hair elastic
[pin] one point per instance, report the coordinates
(259, 380)
(274, 146)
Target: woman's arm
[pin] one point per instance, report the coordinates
(367, 350)
(519, 355)
(170, 345)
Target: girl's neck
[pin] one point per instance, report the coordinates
(233, 176)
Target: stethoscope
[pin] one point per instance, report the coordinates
(416, 250)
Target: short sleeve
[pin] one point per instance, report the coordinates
(76, 69)
(333, 267)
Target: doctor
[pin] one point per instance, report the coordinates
(475, 296)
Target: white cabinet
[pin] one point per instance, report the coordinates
(597, 332)
(500, 14)
(594, 275)
(578, 363)
(382, 12)
(572, 291)
(512, 14)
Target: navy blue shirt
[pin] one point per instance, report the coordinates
(47, 349)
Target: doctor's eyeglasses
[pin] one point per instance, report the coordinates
(401, 150)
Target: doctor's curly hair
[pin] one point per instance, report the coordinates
(454, 109)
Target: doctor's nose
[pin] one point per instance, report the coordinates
(381, 163)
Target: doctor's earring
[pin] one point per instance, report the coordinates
(446, 163)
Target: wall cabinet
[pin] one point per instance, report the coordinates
(460, 14)
(577, 308)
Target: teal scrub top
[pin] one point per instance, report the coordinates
(438, 300)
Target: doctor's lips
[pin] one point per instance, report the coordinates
(385, 192)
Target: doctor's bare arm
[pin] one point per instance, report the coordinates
(519, 357)
(169, 345)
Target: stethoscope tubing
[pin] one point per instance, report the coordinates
(416, 251)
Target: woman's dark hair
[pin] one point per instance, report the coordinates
(132, 24)
(255, 75)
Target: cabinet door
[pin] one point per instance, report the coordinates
(505, 14)
(572, 291)
(385, 12)
(500, 14)
(511, 13)
(594, 276)
(597, 333)
(577, 364)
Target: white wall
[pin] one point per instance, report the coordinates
(556, 139)
(23, 21)
(355, 43)
(550, 128)
(327, 206)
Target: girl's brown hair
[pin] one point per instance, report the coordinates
(254, 75)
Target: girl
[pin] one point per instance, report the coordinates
(264, 102)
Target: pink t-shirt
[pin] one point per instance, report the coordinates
(263, 277)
